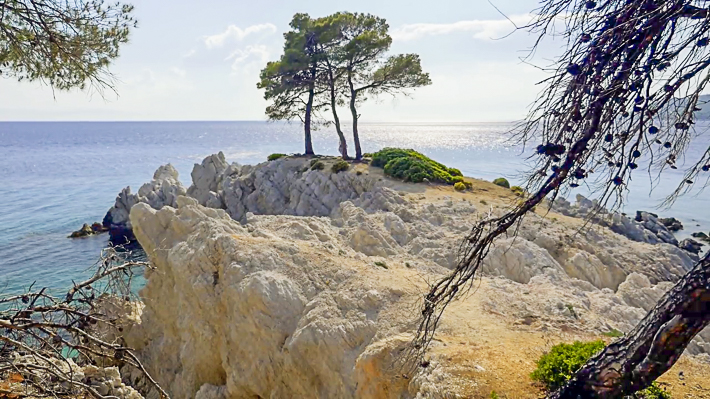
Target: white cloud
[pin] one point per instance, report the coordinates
(236, 33)
(239, 56)
(481, 29)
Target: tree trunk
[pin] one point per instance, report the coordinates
(307, 121)
(635, 361)
(353, 110)
(343, 148)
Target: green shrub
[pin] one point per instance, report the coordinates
(558, 365)
(468, 184)
(317, 165)
(457, 179)
(413, 166)
(518, 190)
(455, 172)
(652, 392)
(340, 166)
(501, 181)
(381, 264)
(274, 157)
(367, 155)
(614, 333)
(459, 186)
(494, 395)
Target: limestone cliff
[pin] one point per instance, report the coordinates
(322, 306)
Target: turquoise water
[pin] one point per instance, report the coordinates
(57, 176)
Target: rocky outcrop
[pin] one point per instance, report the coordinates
(290, 306)
(645, 227)
(286, 186)
(163, 190)
(207, 181)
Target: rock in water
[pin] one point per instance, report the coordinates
(691, 246)
(672, 224)
(85, 231)
(701, 236)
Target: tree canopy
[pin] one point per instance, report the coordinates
(66, 44)
(332, 61)
(620, 99)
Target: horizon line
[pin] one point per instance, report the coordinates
(240, 120)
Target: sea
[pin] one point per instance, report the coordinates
(55, 176)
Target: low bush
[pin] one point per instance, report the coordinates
(457, 179)
(558, 365)
(340, 166)
(501, 181)
(455, 172)
(274, 157)
(614, 333)
(459, 186)
(519, 191)
(317, 165)
(410, 165)
(381, 264)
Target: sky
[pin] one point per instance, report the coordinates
(192, 60)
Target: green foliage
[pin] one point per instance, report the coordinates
(614, 333)
(501, 181)
(317, 165)
(274, 157)
(410, 165)
(66, 44)
(381, 264)
(367, 155)
(562, 361)
(459, 186)
(457, 179)
(455, 172)
(519, 191)
(558, 365)
(652, 392)
(340, 166)
(494, 395)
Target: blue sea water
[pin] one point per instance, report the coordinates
(56, 176)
